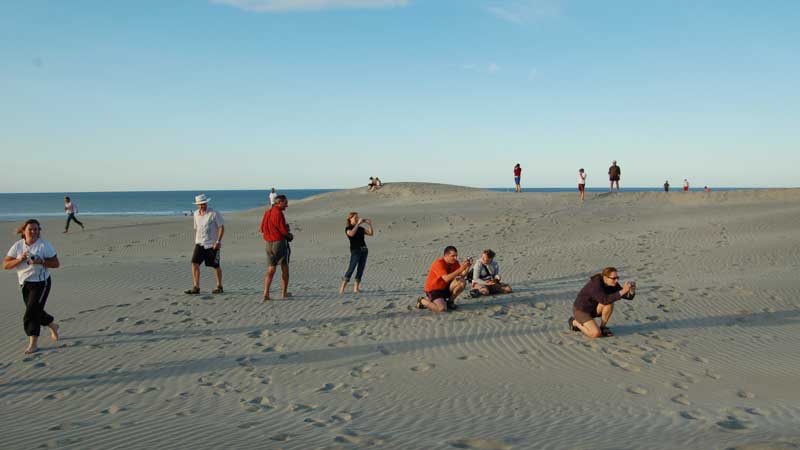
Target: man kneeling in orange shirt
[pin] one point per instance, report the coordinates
(445, 282)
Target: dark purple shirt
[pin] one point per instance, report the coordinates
(597, 293)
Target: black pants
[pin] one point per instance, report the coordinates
(358, 257)
(34, 294)
(71, 216)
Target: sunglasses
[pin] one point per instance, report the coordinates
(613, 278)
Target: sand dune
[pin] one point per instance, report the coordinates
(704, 357)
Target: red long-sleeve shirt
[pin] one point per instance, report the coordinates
(273, 225)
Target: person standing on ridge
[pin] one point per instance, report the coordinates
(685, 185)
(666, 186)
(517, 176)
(614, 173)
(272, 196)
(582, 183)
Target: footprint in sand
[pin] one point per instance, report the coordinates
(141, 390)
(756, 412)
(423, 367)
(624, 366)
(330, 387)
(280, 437)
(353, 438)
(341, 417)
(481, 444)
(732, 423)
(359, 394)
(260, 403)
(113, 409)
(681, 400)
(58, 395)
(247, 425)
(472, 357)
(302, 408)
(679, 385)
(745, 394)
(637, 390)
(692, 415)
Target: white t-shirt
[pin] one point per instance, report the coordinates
(272, 196)
(207, 227)
(32, 272)
(582, 178)
(71, 208)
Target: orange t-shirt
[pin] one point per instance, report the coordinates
(439, 268)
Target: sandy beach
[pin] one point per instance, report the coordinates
(705, 357)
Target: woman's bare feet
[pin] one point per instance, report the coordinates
(341, 289)
(32, 347)
(287, 294)
(53, 331)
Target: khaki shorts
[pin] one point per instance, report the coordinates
(277, 252)
(582, 316)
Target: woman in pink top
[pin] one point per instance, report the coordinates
(582, 183)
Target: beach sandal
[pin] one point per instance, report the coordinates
(571, 323)
(606, 332)
(218, 290)
(474, 293)
(419, 303)
(192, 291)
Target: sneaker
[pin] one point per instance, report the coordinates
(571, 323)
(218, 290)
(419, 303)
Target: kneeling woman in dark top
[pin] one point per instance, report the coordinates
(596, 299)
(358, 248)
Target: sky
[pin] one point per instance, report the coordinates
(249, 94)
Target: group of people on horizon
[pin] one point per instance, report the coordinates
(374, 184)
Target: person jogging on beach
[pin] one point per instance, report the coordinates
(517, 176)
(277, 236)
(209, 227)
(358, 249)
(582, 183)
(596, 299)
(32, 256)
(614, 173)
(445, 282)
(71, 209)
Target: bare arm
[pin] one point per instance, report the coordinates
(50, 263)
(11, 263)
(219, 236)
(368, 230)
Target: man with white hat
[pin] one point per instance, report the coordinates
(209, 228)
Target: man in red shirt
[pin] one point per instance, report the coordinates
(517, 175)
(445, 281)
(276, 234)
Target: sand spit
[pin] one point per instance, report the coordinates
(704, 357)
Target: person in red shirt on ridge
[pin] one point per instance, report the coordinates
(445, 282)
(276, 234)
(517, 175)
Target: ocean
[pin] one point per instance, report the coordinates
(172, 203)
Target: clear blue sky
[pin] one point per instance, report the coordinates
(240, 94)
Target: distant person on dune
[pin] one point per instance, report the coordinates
(582, 183)
(358, 248)
(596, 299)
(445, 282)
(71, 209)
(209, 227)
(32, 256)
(371, 185)
(685, 185)
(666, 186)
(486, 276)
(272, 196)
(614, 174)
(706, 189)
(378, 183)
(277, 236)
(517, 177)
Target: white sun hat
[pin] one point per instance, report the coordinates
(201, 199)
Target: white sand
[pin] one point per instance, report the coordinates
(705, 357)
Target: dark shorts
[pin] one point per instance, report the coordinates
(277, 252)
(516, 180)
(582, 316)
(207, 256)
(443, 294)
(614, 178)
(581, 187)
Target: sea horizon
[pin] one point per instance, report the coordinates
(15, 206)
